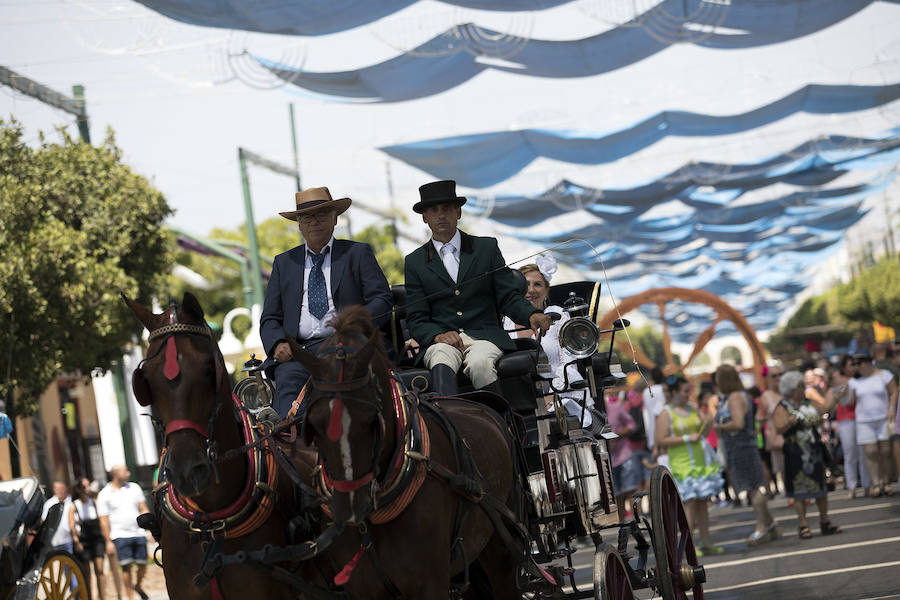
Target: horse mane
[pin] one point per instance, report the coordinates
(356, 321)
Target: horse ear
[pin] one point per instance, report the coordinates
(304, 356)
(140, 312)
(191, 306)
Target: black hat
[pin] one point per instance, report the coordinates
(437, 192)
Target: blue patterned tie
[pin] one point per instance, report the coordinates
(317, 293)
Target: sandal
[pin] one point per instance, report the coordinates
(141, 593)
(774, 531)
(828, 529)
(886, 491)
(804, 533)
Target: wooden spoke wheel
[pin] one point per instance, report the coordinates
(662, 296)
(610, 575)
(62, 578)
(673, 544)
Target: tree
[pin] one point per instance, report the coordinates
(78, 226)
(873, 295)
(389, 257)
(649, 341)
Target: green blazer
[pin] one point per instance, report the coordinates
(485, 291)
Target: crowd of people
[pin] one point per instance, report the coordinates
(100, 525)
(795, 433)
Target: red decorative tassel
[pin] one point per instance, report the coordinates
(216, 592)
(171, 369)
(344, 576)
(334, 425)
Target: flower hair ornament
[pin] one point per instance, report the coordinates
(547, 265)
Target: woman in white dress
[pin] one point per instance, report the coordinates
(874, 393)
(539, 274)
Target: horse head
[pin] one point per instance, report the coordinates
(349, 412)
(183, 377)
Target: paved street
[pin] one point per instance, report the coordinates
(862, 562)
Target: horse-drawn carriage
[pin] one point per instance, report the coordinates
(29, 566)
(487, 493)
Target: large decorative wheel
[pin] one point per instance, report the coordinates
(673, 545)
(610, 576)
(660, 297)
(62, 578)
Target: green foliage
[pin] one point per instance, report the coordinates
(874, 295)
(386, 251)
(78, 226)
(649, 340)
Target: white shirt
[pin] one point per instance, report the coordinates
(121, 505)
(652, 407)
(455, 242)
(557, 357)
(87, 511)
(310, 326)
(871, 395)
(62, 535)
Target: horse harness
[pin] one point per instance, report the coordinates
(257, 499)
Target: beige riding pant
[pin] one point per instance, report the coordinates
(478, 361)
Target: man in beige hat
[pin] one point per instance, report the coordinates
(309, 284)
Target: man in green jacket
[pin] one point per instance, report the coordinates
(457, 289)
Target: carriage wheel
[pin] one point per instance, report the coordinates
(673, 544)
(661, 297)
(62, 578)
(610, 576)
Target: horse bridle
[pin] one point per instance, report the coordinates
(338, 392)
(171, 370)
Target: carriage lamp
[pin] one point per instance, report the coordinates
(579, 336)
(255, 391)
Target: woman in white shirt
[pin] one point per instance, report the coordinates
(874, 393)
(538, 276)
(87, 538)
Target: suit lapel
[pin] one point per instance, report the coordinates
(338, 266)
(466, 256)
(434, 263)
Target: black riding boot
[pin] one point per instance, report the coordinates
(443, 380)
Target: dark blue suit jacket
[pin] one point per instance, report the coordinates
(356, 279)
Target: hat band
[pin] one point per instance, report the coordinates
(311, 203)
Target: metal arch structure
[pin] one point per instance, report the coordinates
(660, 297)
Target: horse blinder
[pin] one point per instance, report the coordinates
(141, 387)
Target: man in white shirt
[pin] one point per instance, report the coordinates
(62, 537)
(118, 507)
(310, 284)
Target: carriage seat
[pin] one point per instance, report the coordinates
(515, 369)
(20, 502)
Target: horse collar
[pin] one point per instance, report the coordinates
(248, 512)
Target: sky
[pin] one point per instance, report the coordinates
(181, 101)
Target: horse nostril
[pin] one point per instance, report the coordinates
(199, 475)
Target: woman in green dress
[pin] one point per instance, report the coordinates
(680, 429)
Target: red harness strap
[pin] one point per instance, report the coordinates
(187, 509)
(179, 424)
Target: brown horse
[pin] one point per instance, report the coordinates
(185, 380)
(401, 543)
